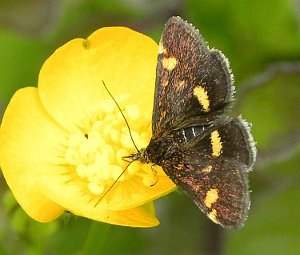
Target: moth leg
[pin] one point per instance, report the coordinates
(155, 174)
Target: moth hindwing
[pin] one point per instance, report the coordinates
(205, 153)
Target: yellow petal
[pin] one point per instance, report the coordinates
(70, 81)
(142, 216)
(132, 193)
(75, 201)
(29, 141)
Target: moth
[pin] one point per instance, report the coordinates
(203, 150)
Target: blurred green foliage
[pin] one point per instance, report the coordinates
(262, 41)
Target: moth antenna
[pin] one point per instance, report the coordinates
(114, 183)
(122, 116)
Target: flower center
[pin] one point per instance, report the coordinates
(95, 153)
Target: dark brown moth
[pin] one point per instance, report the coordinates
(206, 153)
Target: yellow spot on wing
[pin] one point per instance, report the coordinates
(212, 215)
(181, 84)
(211, 197)
(161, 49)
(202, 97)
(180, 166)
(165, 82)
(207, 169)
(162, 116)
(216, 143)
(169, 63)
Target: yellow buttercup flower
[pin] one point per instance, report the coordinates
(62, 143)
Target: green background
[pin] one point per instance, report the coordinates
(262, 41)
